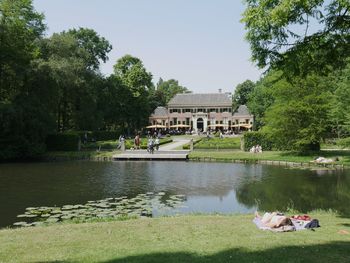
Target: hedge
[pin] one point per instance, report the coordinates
(257, 137)
(130, 143)
(63, 142)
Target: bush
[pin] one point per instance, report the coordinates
(257, 137)
(130, 143)
(63, 142)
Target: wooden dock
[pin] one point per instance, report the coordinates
(136, 155)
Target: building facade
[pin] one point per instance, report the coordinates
(201, 112)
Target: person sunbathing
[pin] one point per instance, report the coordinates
(274, 220)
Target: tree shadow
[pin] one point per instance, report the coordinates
(330, 252)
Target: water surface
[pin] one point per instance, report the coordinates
(208, 187)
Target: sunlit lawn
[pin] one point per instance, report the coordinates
(198, 238)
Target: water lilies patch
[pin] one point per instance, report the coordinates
(143, 205)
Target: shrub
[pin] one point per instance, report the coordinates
(63, 142)
(257, 137)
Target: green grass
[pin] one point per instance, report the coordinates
(344, 156)
(219, 143)
(200, 238)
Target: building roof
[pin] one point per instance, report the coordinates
(242, 111)
(160, 112)
(209, 99)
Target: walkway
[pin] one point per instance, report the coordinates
(177, 142)
(166, 152)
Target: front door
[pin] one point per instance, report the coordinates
(200, 124)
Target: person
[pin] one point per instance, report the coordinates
(252, 150)
(274, 219)
(120, 140)
(137, 142)
(156, 143)
(150, 145)
(221, 135)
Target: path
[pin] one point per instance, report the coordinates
(166, 152)
(177, 142)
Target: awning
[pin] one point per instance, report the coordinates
(218, 125)
(156, 126)
(243, 125)
(180, 126)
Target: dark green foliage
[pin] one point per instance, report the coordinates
(242, 93)
(257, 138)
(63, 142)
(282, 34)
(166, 90)
(105, 135)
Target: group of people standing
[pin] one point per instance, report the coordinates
(153, 142)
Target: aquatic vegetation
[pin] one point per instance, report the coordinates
(143, 205)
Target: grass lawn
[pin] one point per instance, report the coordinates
(197, 238)
(344, 156)
(219, 143)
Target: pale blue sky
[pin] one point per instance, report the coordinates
(198, 42)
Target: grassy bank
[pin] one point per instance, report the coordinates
(177, 239)
(344, 156)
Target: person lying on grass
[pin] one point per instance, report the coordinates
(274, 220)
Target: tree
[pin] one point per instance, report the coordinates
(96, 46)
(24, 105)
(340, 111)
(134, 76)
(280, 34)
(262, 97)
(242, 92)
(166, 90)
(299, 118)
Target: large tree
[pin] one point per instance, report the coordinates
(299, 118)
(300, 36)
(166, 90)
(24, 114)
(133, 75)
(242, 92)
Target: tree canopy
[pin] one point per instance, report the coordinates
(301, 36)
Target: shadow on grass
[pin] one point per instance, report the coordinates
(331, 252)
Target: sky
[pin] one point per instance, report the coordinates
(200, 43)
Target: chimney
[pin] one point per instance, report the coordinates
(220, 90)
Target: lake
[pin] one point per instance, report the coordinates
(208, 187)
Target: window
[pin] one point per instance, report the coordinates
(187, 121)
(247, 121)
(184, 122)
(171, 123)
(187, 110)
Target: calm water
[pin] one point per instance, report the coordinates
(208, 187)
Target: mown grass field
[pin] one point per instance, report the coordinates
(197, 238)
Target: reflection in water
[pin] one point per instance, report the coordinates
(208, 187)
